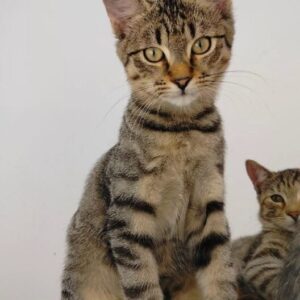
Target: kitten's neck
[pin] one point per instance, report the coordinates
(273, 229)
(140, 117)
(158, 106)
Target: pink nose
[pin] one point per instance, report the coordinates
(182, 82)
(294, 214)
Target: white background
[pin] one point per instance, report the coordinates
(62, 94)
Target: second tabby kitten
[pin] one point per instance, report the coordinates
(260, 259)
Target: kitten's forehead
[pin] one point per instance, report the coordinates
(175, 13)
(178, 23)
(287, 181)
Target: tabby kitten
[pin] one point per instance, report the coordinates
(261, 258)
(151, 223)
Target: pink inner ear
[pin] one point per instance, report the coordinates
(120, 10)
(223, 5)
(256, 172)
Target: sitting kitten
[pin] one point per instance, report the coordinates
(151, 223)
(261, 258)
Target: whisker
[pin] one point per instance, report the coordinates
(238, 72)
(232, 83)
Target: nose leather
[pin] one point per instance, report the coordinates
(182, 82)
(294, 214)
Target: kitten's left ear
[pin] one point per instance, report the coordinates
(257, 173)
(120, 12)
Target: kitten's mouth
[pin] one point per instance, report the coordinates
(184, 92)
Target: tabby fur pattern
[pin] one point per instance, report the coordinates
(261, 259)
(151, 223)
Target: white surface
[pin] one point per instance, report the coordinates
(60, 78)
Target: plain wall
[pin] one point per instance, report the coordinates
(62, 94)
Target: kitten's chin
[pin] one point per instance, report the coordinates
(182, 100)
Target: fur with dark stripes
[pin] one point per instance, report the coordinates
(262, 261)
(151, 223)
(289, 279)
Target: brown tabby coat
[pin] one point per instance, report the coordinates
(260, 259)
(151, 222)
(289, 279)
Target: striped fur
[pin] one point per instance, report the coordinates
(260, 259)
(289, 279)
(151, 223)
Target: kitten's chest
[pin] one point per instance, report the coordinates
(177, 164)
(181, 152)
(180, 160)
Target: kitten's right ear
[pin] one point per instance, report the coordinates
(224, 6)
(257, 173)
(120, 12)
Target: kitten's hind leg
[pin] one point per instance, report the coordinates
(99, 283)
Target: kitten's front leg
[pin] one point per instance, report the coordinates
(132, 229)
(263, 272)
(209, 240)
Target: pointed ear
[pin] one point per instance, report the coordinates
(257, 173)
(225, 6)
(120, 12)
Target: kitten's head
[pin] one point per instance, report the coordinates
(174, 51)
(278, 194)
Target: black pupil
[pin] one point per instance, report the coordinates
(277, 198)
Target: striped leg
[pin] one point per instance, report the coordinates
(209, 240)
(132, 229)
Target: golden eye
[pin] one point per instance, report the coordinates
(154, 55)
(202, 46)
(277, 199)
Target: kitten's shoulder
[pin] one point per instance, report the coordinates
(244, 242)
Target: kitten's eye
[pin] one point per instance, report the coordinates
(202, 46)
(277, 199)
(154, 55)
